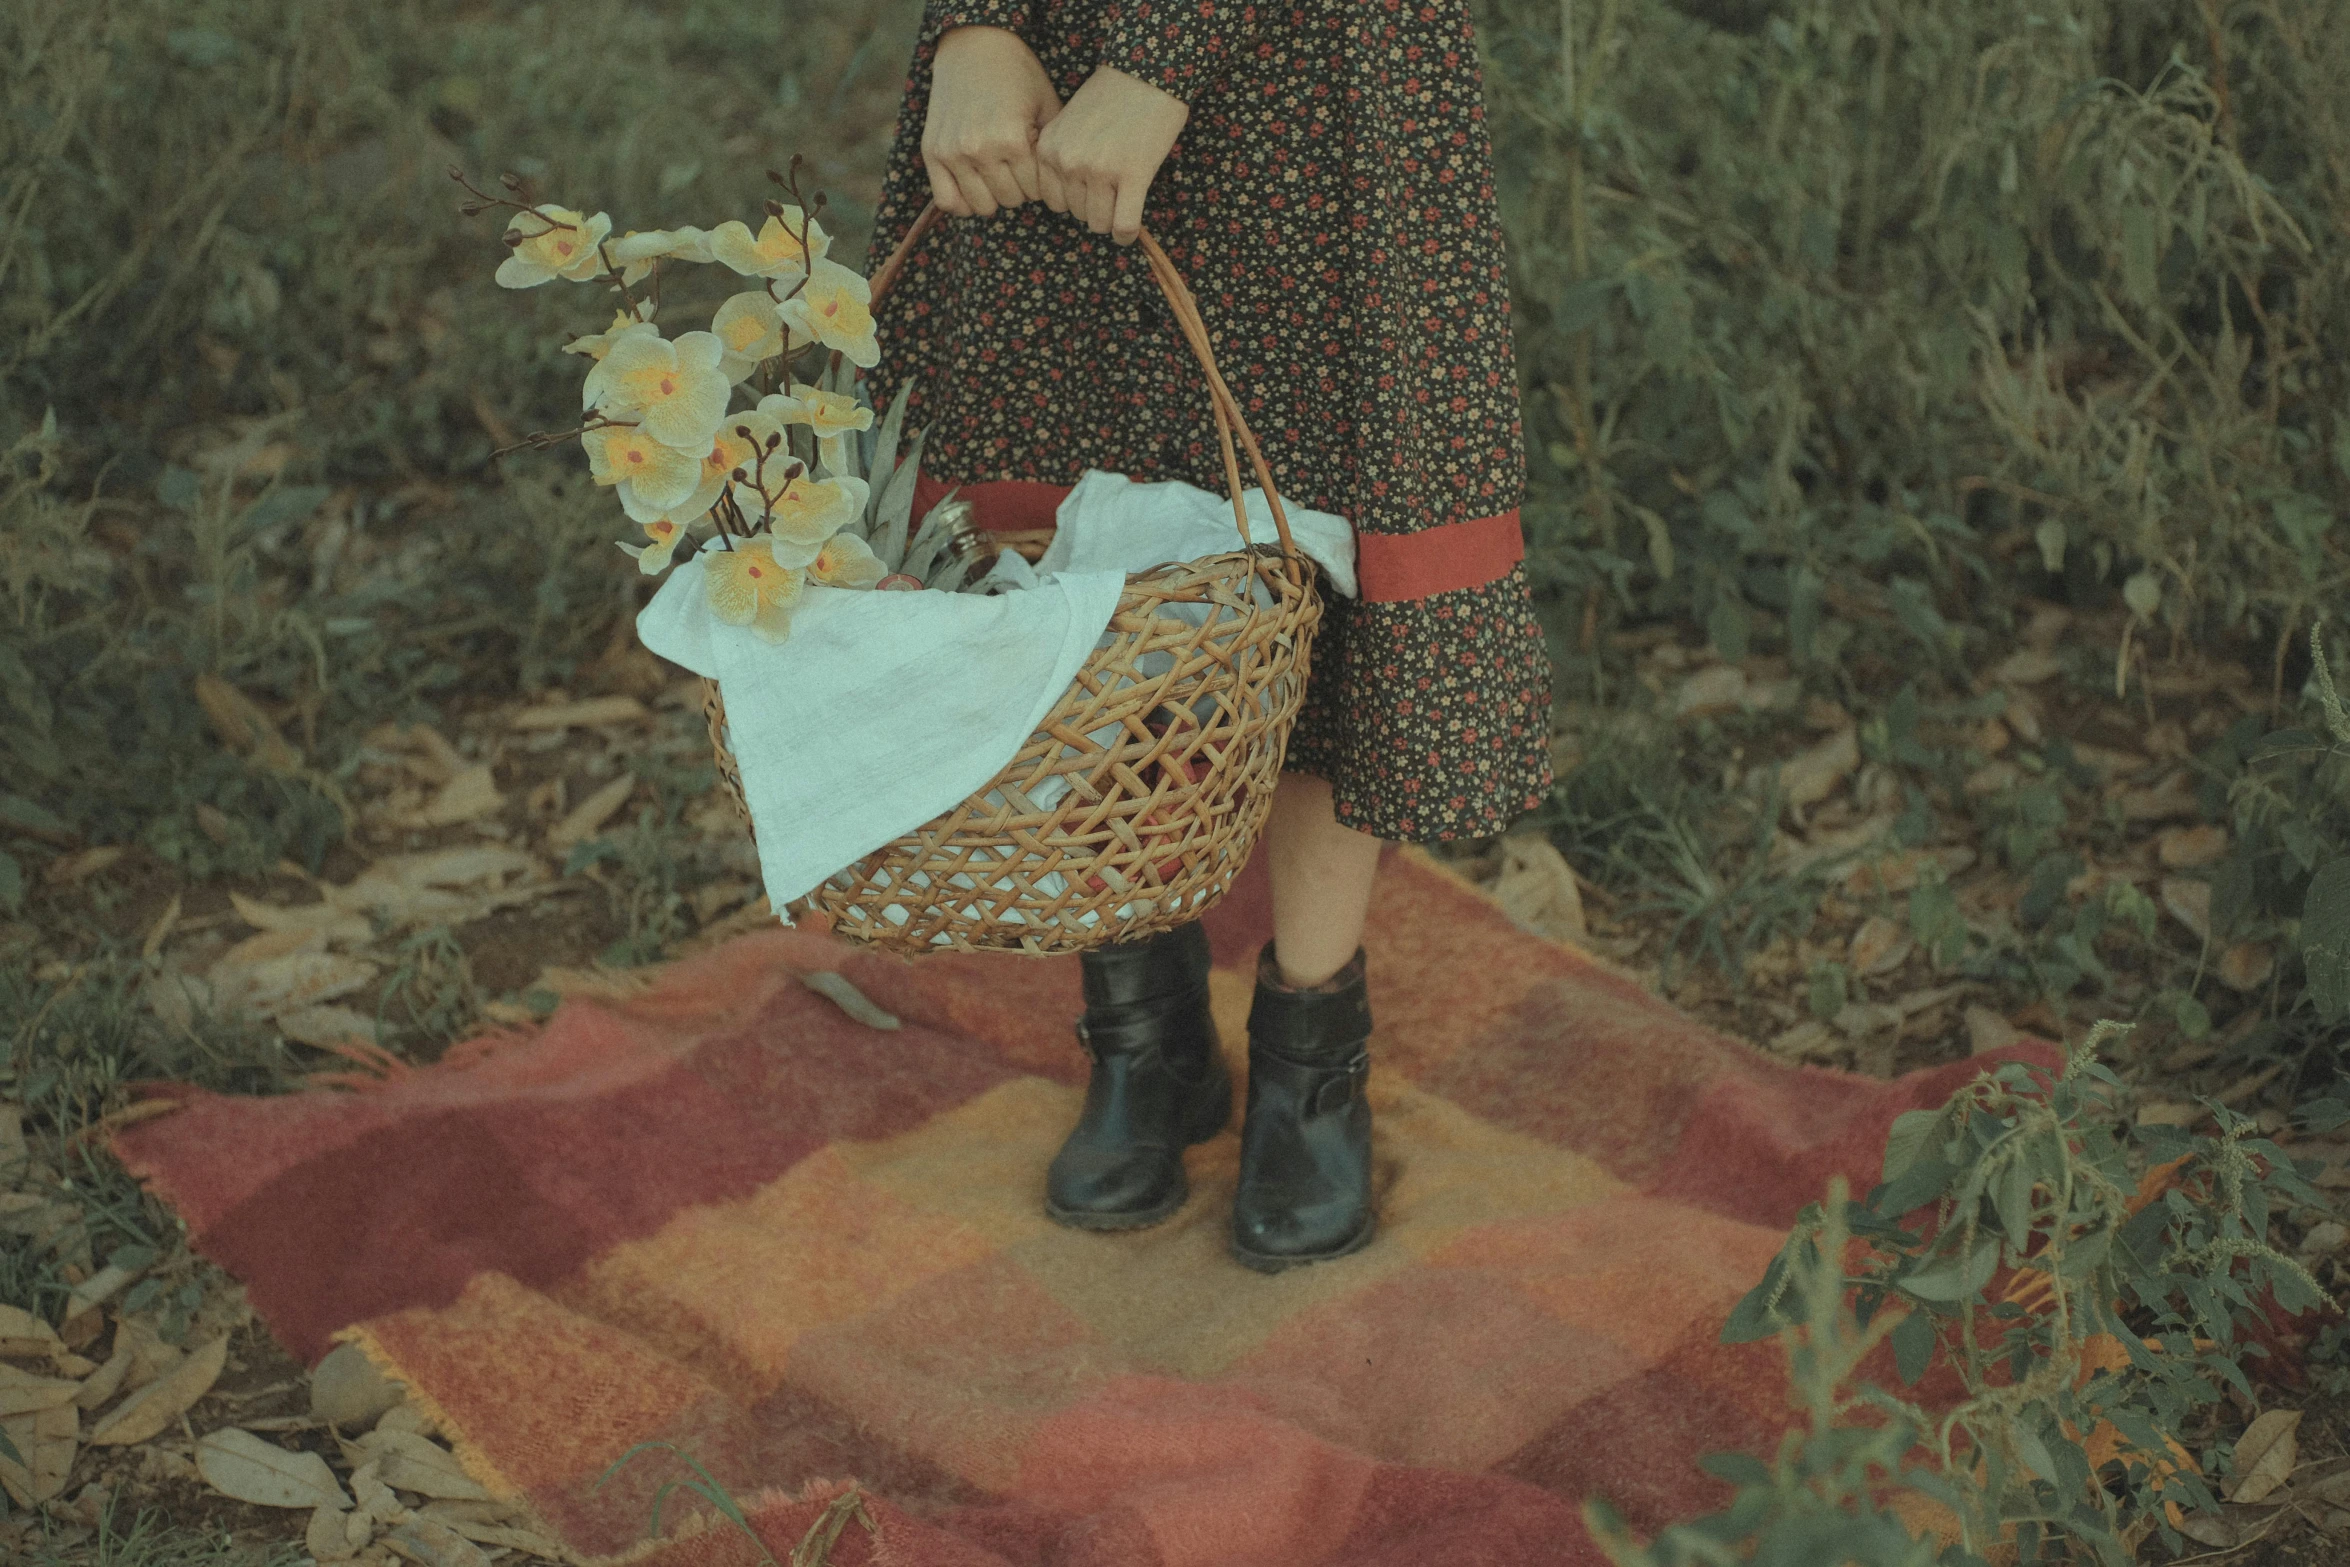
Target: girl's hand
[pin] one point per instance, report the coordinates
(988, 99)
(1098, 156)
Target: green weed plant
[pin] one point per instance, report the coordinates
(2088, 1318)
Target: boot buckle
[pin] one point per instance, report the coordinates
(1334, 1092)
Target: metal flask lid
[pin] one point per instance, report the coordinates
(968, 548)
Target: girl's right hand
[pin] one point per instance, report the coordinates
(989, 97)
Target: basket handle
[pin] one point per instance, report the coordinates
(1195, 333)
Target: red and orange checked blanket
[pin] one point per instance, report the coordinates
(725, 1215)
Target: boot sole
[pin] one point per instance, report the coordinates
(1141, 1219)
(1144, 1218)
(1267, 1262)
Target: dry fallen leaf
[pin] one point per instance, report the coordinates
(712, 899)
(1812, 774)
(290, 983)
(46, 1439)
(1537, 889)
(22, 1334)
(324, 1027)
(1720, 689)
(2246, 966)
(67, 869)
(417, 888)
(22, 1393)
(1902, 869)
(335, 922)
(2189, 902)
(375, 1498)
(405, 1416)
(431, 1544)
(585, 714)
(409, 1461)
(426, 751)
(176, 997)
(2026, 667)
(500, 1534)
(160, 932)
(81, 1322)
(2324, 1239)
(1987, 1030)
(2106, 762)
(1991, 778)
(837, 989)
(2209, 1529)
(2185, 848)
(347, 1389)
(258, 949)
(328, 1538)
(359, 1526)
(1877, 946)
(469, 796)
(243, 726)
(163, 1400)
(587, 817)
(107, 1380)
(239, 1464)
(2264, 1455)
(151, 1357)
(2023, 716)
(2171, 800)
(161, 1466)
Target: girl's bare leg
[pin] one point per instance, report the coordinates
(1322, 873)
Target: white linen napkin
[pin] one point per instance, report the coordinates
(883, 710)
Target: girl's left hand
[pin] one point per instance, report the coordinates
(1097, 157)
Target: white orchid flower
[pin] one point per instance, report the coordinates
(749, 586)
(597, 344)
(832, 415)
(675, 389)
(847, 561)
(651, 476)
(554, 242)
(635, 253)
(834, 307)
(666, 533)
(752, 330)
(776, 251)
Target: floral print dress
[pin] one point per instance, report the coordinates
(1330, 203)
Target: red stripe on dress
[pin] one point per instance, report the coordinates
(1390, 567)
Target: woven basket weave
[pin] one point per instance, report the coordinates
(1135, 803)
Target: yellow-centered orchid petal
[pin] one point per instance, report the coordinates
(847, 561)
(776, 251)
(553, 242)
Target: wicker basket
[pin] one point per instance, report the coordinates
(1135, 803)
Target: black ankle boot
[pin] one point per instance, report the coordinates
(1305, 1145)
(1159, 1083)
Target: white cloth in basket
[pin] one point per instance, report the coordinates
(883, 710)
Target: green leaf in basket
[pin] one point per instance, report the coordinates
(884, 463)
(896, 509)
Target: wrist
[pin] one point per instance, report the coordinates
(1139, 88)
(978, 36)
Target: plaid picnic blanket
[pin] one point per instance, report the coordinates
(722, 1213)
